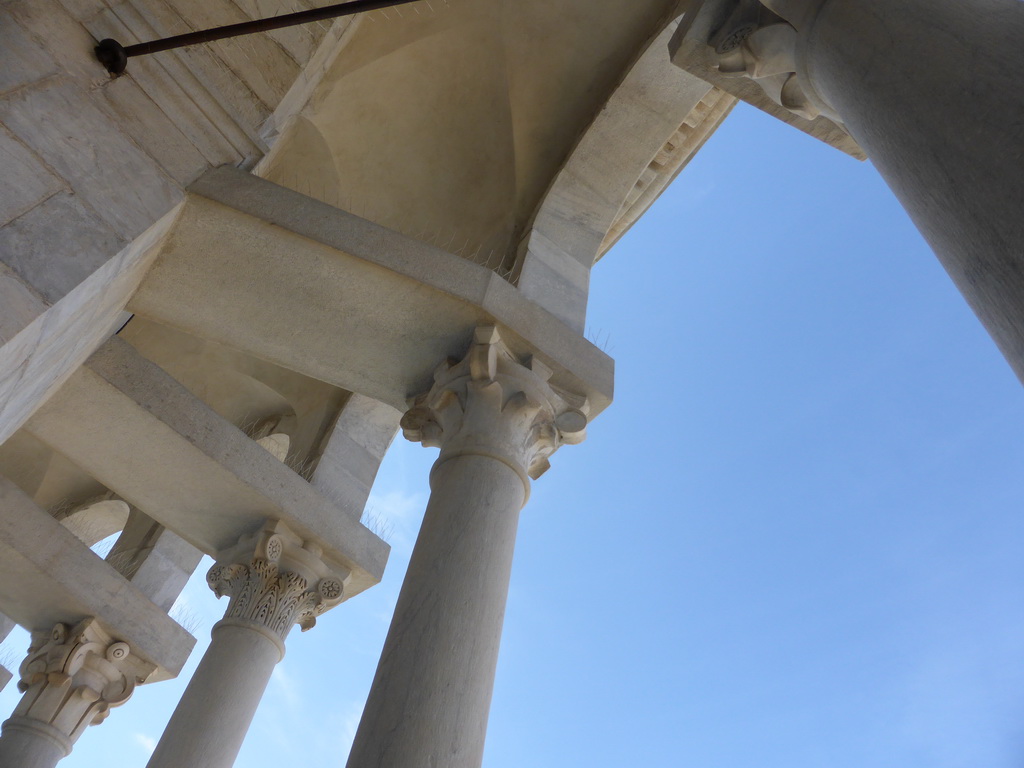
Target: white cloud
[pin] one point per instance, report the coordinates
(399, 513)
(288, 685)
(349, 722)
(148, 743)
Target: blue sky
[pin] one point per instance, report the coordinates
(794, 540)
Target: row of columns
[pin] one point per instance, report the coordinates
(926, 87)
(497, 419)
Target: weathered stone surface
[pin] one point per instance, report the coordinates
(47, 575)
(553, 279)
(21, 305)
(27, 182)
(378, 309)
(65, 41)
(257, 59)
(140, 117)
(103, 166)
(142, 434)
(299, 41)
(208, 104)
(157, 561)
(36, 361)
(17, 46)
(57, 245)
(354, 450)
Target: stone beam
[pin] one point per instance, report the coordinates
(36, 360)
(354, 450)
(130, 425)
(157, 561)
(48, 576)
(292, 280)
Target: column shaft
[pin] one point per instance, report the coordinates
(496, 420)
(432, 691)
(30, 745)
(931, 90)
(220, 700)
(275, 580)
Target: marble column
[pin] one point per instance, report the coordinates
(496, 420)
(931, 90)
(274, 580)
(71, 678)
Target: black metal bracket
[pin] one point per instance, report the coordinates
(114, 56)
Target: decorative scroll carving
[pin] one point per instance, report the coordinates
(71, 679)
(492, 404)
(274, 594)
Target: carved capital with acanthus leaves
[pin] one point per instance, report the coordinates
(275, 580)
(493, 404)
(71, 678)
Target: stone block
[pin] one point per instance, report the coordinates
(82, 10)
(354, 450)
(48, 576)
(378, 310)
(157, 561)
(67, 43)
(556, 281)
(152, 130)
(99, 162)
(56, 245)
(257, 59)
(130, 425)
(207, 102)
(22, 60)
(35, 362)
(19, 304)
(299, 41)
(27, 182)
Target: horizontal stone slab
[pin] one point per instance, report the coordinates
(315, 289)
(47, 575)
(138, 431)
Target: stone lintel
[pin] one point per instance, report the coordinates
(38, 359)
(377, 310)
(48, 576)
(130, 425)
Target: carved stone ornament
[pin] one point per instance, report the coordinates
(279, 583)
(72, 677)
(759, 43)
(491, 404)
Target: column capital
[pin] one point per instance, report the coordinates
(274, 580)
(71, 678)
(761, 40)
(492, 404)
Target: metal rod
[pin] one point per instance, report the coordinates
(114, 56)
